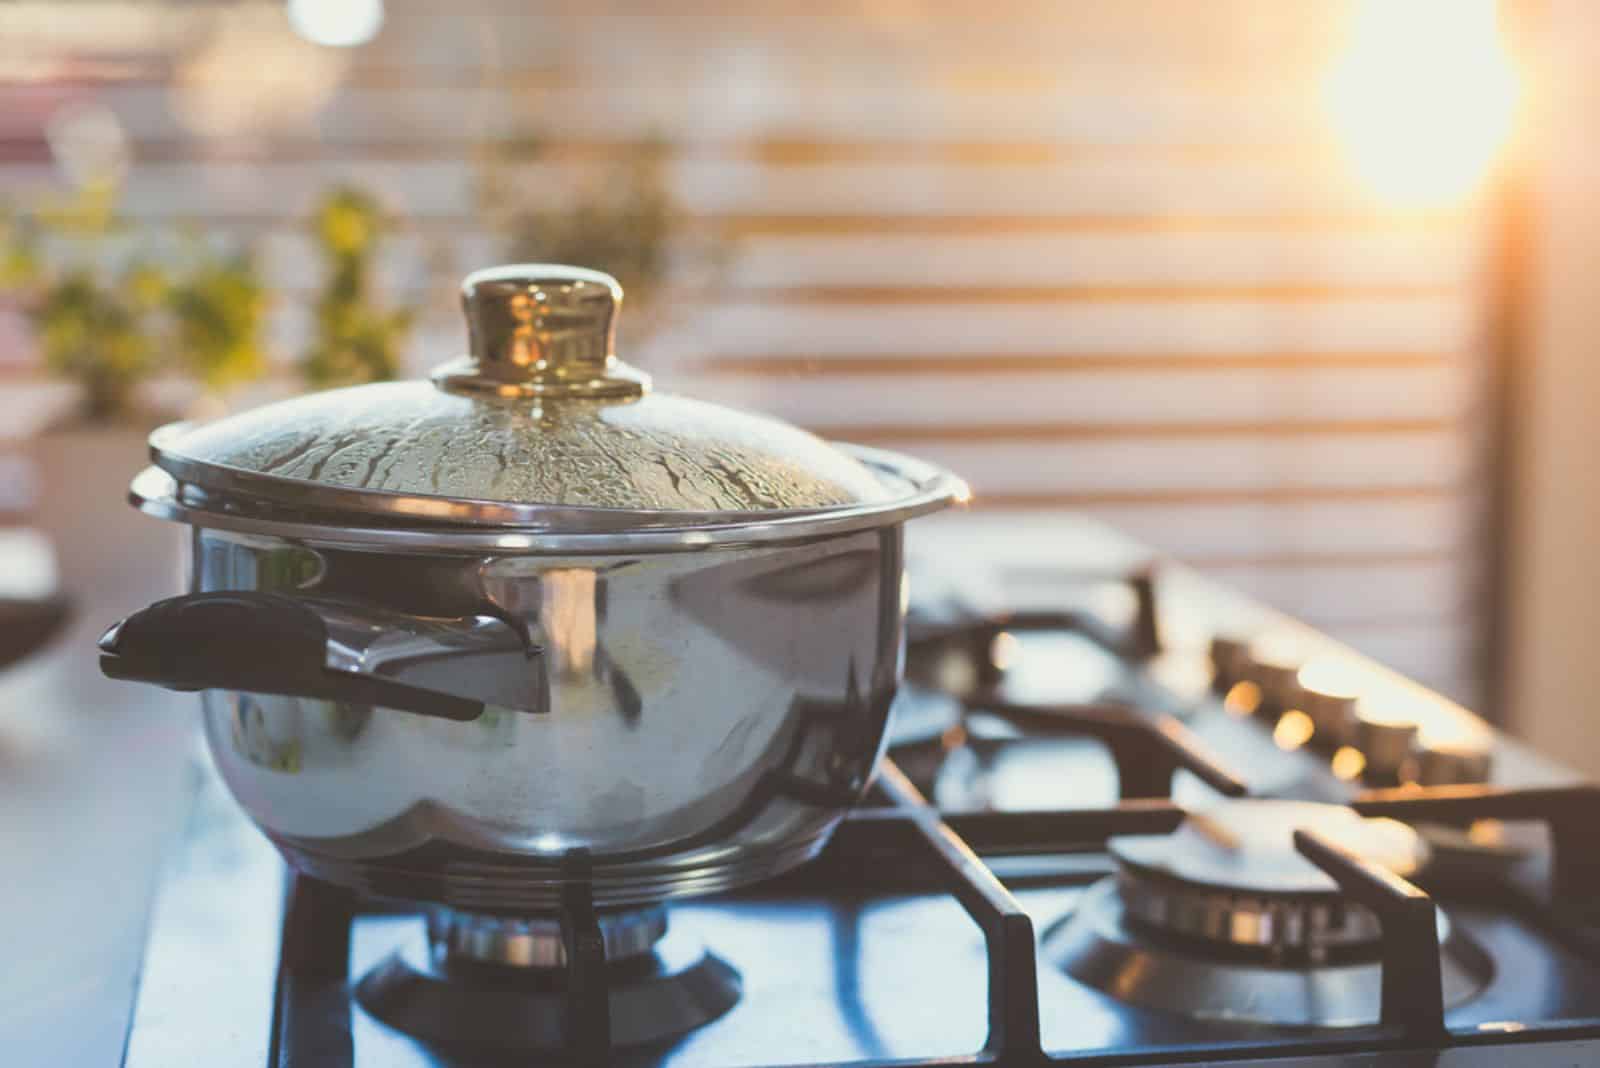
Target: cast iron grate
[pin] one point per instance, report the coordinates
(926, 851)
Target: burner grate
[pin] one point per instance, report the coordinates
(908, 842)
(1412, 996)
(588, 997)
(1147, 749)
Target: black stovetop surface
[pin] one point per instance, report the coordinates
(898, 945)
(844, 972)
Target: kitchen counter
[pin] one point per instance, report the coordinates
(92, 773)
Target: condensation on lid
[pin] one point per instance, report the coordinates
(658, 453)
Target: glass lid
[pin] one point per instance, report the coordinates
(540, 418)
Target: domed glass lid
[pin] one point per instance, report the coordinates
(539, 419)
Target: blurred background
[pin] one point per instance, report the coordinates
(1296, 292)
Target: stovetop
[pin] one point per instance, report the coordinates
(1043, 716)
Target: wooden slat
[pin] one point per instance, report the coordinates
(1085, 190)
(773, 263)
(1032, 44)
(1359, 591)
(1016, 432)
(1151, 335)
(1173, 266)
(1027, 38)
(1285, 400)
(20, 142)
(1089, 500)
(1153, 223)
(1295, 293)
(1428, 324)
(985, 364)
(732, 99)
(1436, 459)
(1244, 530)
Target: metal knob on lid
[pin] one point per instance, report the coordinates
(542, 330)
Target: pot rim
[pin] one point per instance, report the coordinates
(420, 527)
(259, 490)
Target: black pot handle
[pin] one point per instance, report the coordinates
(271, 643)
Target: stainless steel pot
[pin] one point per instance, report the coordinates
(531, 624)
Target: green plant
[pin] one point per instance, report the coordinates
(218, 303)
(108, 315)
(355, 340)
(94, 331)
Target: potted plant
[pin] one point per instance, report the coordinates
(110, 310)
(90, 317)
(217, 304)
(355, 340)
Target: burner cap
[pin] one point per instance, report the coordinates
(1247, 845)
(1231, 875)
(536, 942)
(1098, 946)
(654, 997)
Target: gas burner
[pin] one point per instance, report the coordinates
(1230, 875)
(1225, 919)
(502, 981)
(457, 936)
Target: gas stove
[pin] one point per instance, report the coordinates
(1127, 818)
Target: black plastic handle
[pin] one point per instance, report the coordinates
(257, 643)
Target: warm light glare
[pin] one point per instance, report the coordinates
(1422, 97)
(1347, 763)
(1294, 729)
(253, 76)
(1278, 649)
(336, 23)
(1243, 699)
(1003, 650)
(1387, 709)
(1332, 676)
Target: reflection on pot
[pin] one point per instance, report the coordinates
(567, 613)
(710, 717)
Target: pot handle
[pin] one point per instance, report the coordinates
(271, 643)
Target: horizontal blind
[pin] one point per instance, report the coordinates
(1096, 257)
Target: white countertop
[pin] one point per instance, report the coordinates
(91, 777)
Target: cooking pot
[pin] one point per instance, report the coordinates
(532, 624)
